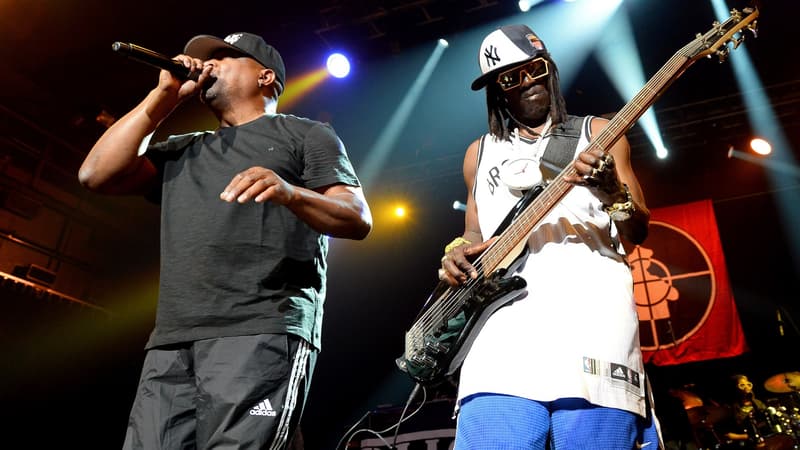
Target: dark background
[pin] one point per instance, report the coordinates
(70, 368)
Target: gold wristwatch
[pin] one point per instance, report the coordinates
(623, 210)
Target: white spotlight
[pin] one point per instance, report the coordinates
(443, 43)
(761, 146)
(338, 65)
(524, 5)
(458, 206)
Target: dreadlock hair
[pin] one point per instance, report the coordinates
(500, 121)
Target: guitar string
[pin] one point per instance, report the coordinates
(451, 302)
(500, 245)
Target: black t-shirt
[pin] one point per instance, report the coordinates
(230, 269)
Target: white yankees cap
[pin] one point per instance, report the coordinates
(504, 47)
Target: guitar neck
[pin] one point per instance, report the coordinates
(533, 214)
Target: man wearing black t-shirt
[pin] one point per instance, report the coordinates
(245, 214)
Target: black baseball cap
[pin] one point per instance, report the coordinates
(249, 44)
(505, 47)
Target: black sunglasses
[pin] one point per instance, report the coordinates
(511, 78)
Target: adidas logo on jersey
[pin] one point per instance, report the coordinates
(264, 408)
(619, 372)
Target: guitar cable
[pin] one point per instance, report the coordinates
(408, 402)
(350, 434)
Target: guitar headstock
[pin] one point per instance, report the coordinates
(715, 41)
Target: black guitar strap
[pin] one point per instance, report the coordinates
(560, 150)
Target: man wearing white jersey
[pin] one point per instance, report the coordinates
(559, 366)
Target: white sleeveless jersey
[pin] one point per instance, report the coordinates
(574, 333)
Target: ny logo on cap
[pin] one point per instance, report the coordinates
(232, 38)
(490, 53)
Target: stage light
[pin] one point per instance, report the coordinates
(338, 65)
(777, 167)
(587, 21)
(624, 68)
(760, 146)
(400, 211)
(389, 136)
(526, 5)
(299, 86)
(459, 206)
(764, 121)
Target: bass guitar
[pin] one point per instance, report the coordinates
(438, 340)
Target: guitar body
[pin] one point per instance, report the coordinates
(451, 318)
(440, 337)
(432, 357)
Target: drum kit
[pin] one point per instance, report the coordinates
(783, 413)
(777, 427)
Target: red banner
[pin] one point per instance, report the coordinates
(683, 295)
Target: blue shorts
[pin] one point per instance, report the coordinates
(493, 421)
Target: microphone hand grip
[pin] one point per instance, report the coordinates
(154, 59)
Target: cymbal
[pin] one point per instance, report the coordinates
(783, 383)
(688, 398)
(707, 414)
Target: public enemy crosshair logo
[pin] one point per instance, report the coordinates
(674, 286)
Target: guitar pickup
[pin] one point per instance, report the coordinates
(434, 346)
(423, 361)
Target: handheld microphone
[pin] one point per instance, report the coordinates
(154, 59)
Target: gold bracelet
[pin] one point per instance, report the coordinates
(621, 211)
(457, 242)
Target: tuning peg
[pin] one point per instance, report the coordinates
(723, 53)
(753, 27)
